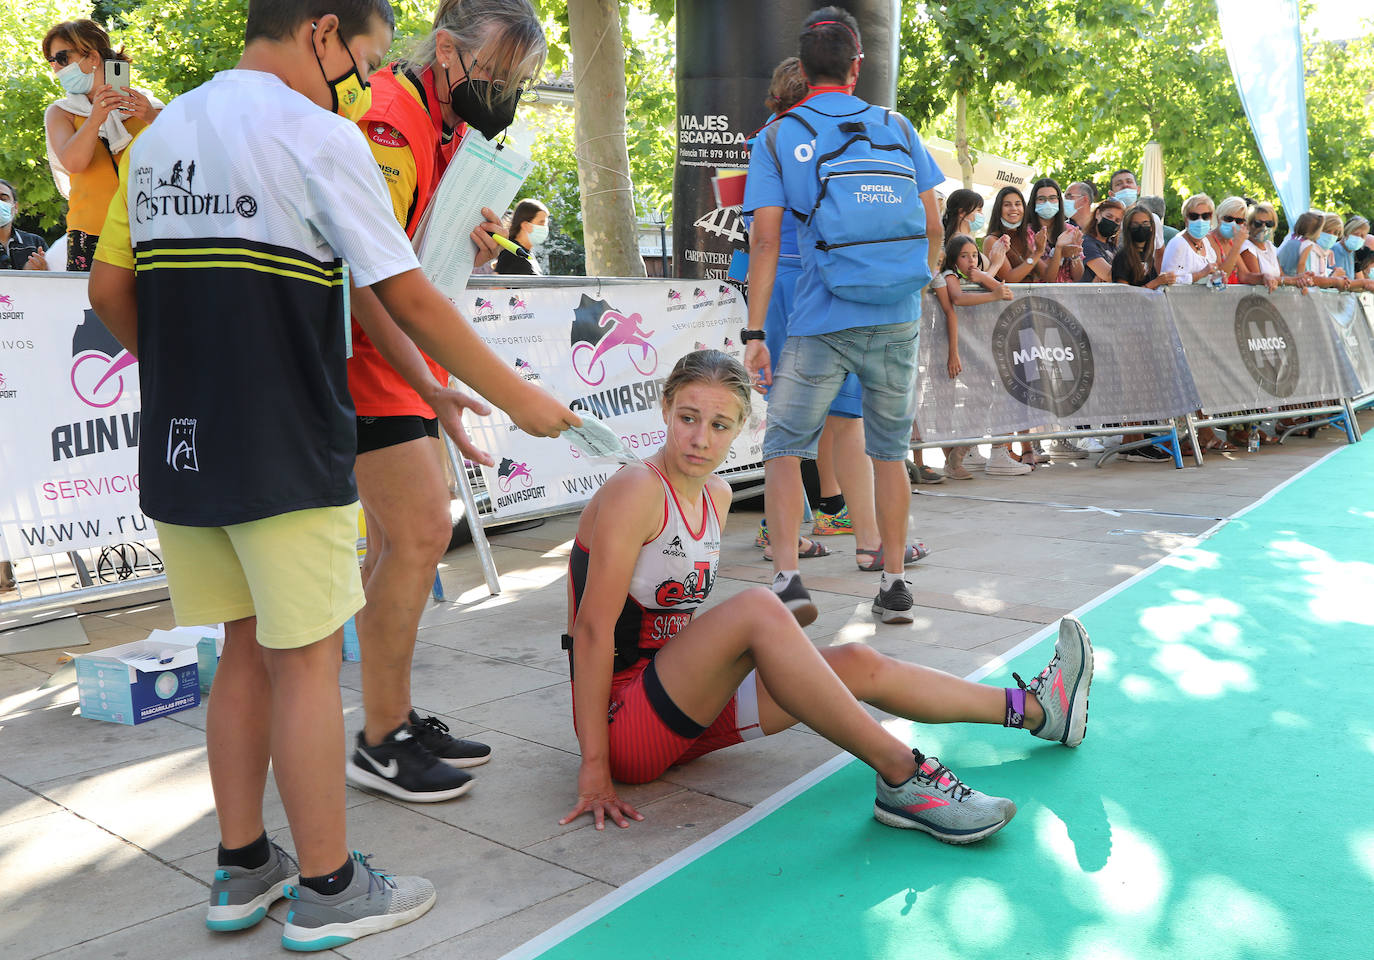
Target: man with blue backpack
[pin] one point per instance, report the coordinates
(861, 186)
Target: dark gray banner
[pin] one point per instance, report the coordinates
(1068, 355)
(1250, 349)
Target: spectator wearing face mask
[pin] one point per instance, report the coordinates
(1259, 258)
(1307, 226)
(18, 250)
(1155, 205)
(1230, 235)
(1078, 204)
(1136, 256)
(1354, 236)
(1322, 233)
(89, 129)
(1190, 256)
(1061, 260)
(1101, 241)
(1023, 249)
(529, 227)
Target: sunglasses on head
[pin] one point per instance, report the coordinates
(1200, 215)
(1264, 224)
(63, 57)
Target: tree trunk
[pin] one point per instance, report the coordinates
(603, 161)
(961, 138)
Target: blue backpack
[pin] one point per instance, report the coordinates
(868, 218)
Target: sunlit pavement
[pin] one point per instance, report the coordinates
(107, 833)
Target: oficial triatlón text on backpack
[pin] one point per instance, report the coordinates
(868, 220)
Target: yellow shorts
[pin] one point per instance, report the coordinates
(296, 572)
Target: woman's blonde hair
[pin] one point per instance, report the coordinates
(1354, 223)
(1196, 199)
(509, 29)
(1331, 223)
(1232, 207)
(710, 366)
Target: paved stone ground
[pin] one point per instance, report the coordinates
(107, 833)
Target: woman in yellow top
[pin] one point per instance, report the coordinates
(89, 129)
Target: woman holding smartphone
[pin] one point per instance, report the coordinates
(89, 129)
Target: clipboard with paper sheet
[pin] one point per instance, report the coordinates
(481, 174)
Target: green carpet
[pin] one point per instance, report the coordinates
(1219, 807)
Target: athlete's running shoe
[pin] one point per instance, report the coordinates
(239, 897)
(831, 524)
(797, 599)
(761, 537)
(372, 902)
(1062, 687)
(434, 736)
(936, 801)
(401, 767)
(894, 604)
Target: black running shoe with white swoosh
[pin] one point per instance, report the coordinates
(401, 767)
(433, 733)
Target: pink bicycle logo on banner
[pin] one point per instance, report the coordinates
(510, 472)
(597, 330)
(98, 364)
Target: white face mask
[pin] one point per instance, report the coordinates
(539, 232)
(74, 79)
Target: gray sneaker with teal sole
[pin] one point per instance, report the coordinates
(372, 902)
(935, 801)
(239, 897)
(1062, 687)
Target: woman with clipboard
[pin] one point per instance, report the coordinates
(469, 74)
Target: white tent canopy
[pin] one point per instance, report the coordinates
(990, 173)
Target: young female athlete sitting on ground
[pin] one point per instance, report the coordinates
(654, 685)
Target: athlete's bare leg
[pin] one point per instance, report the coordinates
(405, 501)
(854, 471)
(702, 667)
(892, 493)
(283, 705)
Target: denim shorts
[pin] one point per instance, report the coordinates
(848, 403)
(811, 371)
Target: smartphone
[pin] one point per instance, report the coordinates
(117, 74)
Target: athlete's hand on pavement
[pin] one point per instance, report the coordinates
(540, 414)
(596, 795)
(448, 405)
(487, 248)
(756, 361)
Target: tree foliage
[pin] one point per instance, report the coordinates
(26, 89)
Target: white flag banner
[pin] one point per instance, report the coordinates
(604, 350)
(69, 423)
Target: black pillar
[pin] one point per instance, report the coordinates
(726, 52)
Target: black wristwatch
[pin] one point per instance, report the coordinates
(745, 335)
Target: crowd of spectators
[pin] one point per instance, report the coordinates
(1070, 236)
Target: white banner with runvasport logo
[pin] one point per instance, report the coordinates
(604, 350)
(69, 423)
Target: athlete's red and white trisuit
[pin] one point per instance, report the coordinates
(672, 578)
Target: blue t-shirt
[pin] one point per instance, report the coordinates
(790, 183)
